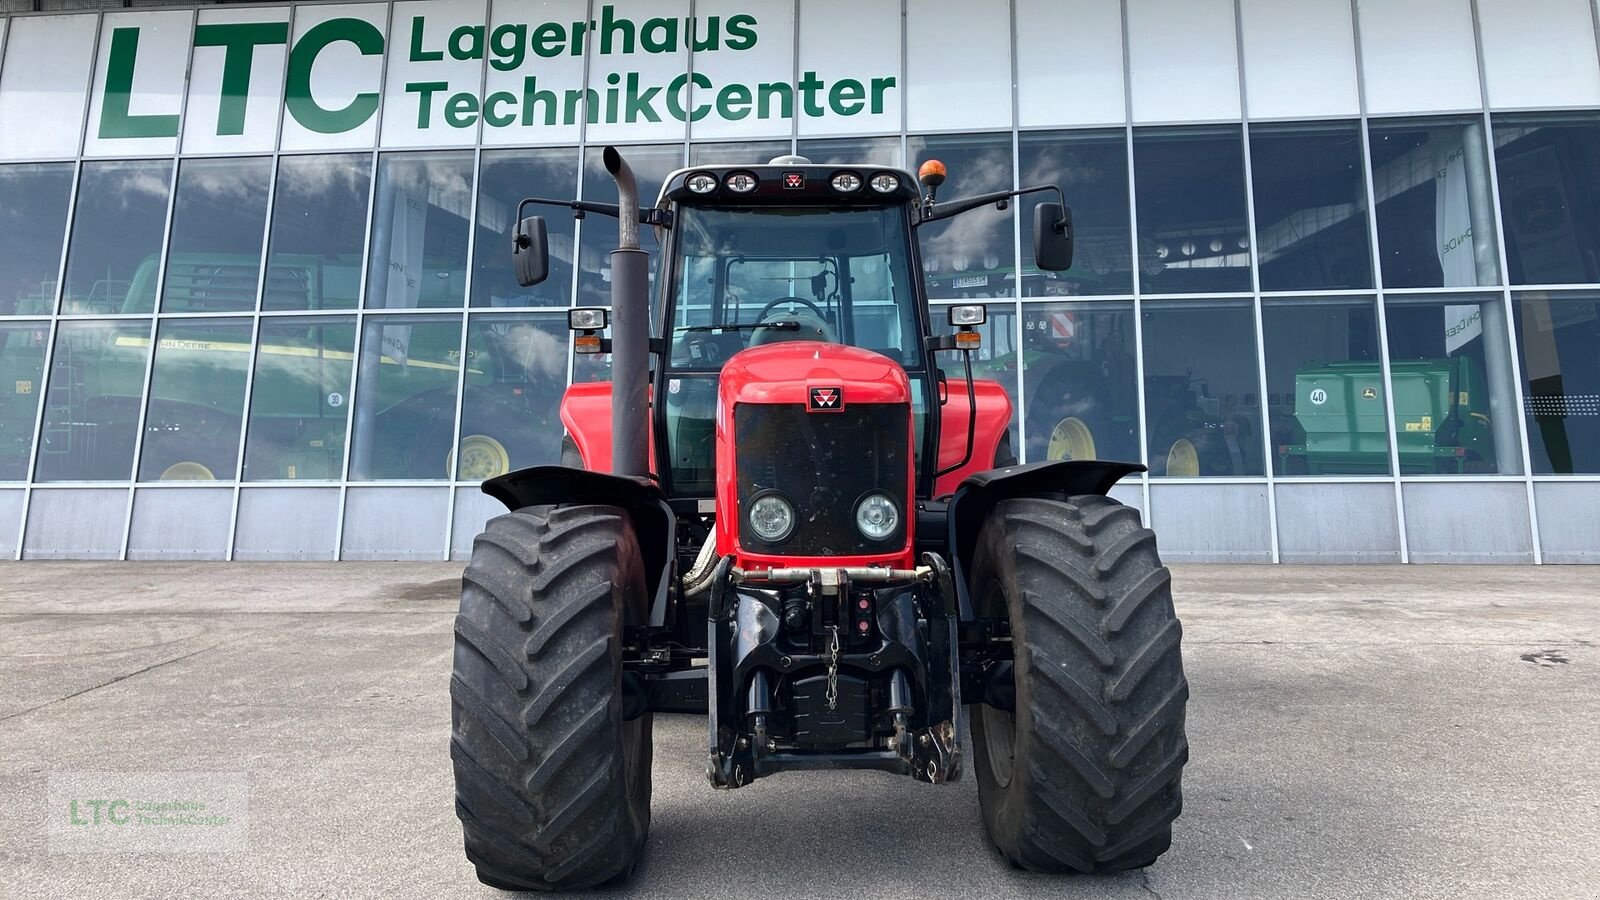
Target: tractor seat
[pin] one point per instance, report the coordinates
(811, 328)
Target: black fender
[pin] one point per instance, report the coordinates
(978, 494)
(641, 497)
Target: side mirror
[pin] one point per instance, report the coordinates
(1052, 237)
(530, 251)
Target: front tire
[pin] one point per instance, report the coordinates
(1085, 775)
(552, 785)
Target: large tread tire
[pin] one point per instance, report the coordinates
(1096, 745)
(552, 786)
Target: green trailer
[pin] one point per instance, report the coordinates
(1441, 410)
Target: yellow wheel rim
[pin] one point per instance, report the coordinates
(1183, 460)
(187, 471)
(482, 458)
(1071, 439)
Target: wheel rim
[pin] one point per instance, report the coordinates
(187, 471)
(482, 458)
(1183, 459)
(999, 726)
(1071, 439)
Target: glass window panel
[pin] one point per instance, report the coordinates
(1092, 169)
(319, 226)
(114, 254)
(1454, 402)
(1560, 348)
(507, 177)
(419, 231)
(299, 399)
(1194, 235)
(740, 154)
(1201, 393)
(996, 361)
(1311, 207)
(1430, 179)
(91, 407)
(1549, 197)
(1081, 381)
(1325, 387)
(651, 165)
(191, 430)
(218, 222)
(972, 255)
(878, 151)
(21, 365)
(33, 222)
(511, 410)
(405, 411)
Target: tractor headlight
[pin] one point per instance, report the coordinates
(877, 516)
(845, 182)
(740, 182)
(772, 517)
(885, 183)
(701, 182)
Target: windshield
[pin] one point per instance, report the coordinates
(746, 277)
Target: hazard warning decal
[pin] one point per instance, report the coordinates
(826, 399)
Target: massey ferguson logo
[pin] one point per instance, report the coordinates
(794, 181)
(826, 399)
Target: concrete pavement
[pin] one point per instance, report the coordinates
(1356, 732)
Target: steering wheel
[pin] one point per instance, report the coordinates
(767, 310)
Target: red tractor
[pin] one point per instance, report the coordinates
(779, 513)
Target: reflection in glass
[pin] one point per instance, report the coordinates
(405, 409)
(995, 361)
(507, 177)
(319, 224)
(740, 154)
(511, 412)
(1430, 178)
(651, 165)
(1202, 403)
(1311, 206)
(21, 368)
(419, 231)
(214, 257)
(1325, 402)
(1092, 169)
(299, 399)
(971, 255)
(114, 254)
(33, 222)
(1194, 233)
(1454, 403)
(1081, 378)
(191, 429)
(1549, 198)
(91, 406)
(878, 151)
(1560, 348)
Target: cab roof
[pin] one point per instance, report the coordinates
(797, 184)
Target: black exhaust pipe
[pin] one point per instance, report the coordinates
(630, 330)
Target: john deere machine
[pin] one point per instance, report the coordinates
(780, 515)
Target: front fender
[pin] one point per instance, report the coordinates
(640, 497)
(980, 493)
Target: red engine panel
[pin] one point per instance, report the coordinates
(994, 417)
(804, 373)
(586, 413)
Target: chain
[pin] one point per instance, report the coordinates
(833, 666)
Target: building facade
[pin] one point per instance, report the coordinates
(1337, 285)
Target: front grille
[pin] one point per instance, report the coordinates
(823, 463)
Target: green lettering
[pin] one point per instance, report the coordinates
(492, 102)
(847, 96)
(417, 53)
(425, 103)
(115, 121)
(675, 90)
(473, 49)
(880, 86)
(733, 102)
(297, 87)
(810, 84)
(659, 35)
(547, 40)
(532, 96)
(508, 54)
(240, 40)
(783, 90)
(641, 105)
(461, 111)
(741, 32)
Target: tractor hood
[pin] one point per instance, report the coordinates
(822, 428)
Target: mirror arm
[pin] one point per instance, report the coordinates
(965, 204)
(647, 216)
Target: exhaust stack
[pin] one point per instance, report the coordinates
(630, 329)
